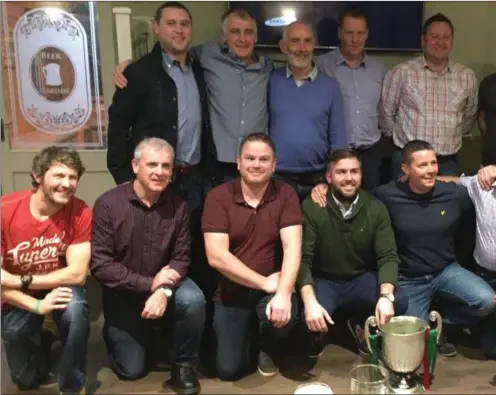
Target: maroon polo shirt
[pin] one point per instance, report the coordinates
(254, 236)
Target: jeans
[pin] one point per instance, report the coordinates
(488, 324)
(463, 296)
(233, 326)
(28, 358)
(358, 295)
(448, 165)
(371, 159)
(302, 189)
(127, 335)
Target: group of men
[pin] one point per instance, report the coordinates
(215, 116)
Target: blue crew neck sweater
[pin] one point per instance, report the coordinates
(306, 123)
(424, 224)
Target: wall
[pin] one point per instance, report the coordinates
(475, 35)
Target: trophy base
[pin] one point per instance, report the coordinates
(402, 384)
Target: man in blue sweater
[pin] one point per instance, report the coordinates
(425, 214)
(305, 112)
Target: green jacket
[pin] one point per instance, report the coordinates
(341, 249)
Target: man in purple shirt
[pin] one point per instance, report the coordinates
(140, 256)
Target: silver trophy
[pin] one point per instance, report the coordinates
(404, 345)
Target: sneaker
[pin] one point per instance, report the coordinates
(445, 348)
(266, 365)
(359, 336)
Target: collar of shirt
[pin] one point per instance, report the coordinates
(169, 61)
(310, 77)
(424, 64)
(269, 195)
(346, 212)
(341, 60)
(133, 197)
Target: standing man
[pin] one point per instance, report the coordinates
(306, 113)
(252, 228)
(140, 256)
(486, 118)
(165, 97)
(45, 257)
(430, 98)
(237, 79)
(361, 274)
(360, 78)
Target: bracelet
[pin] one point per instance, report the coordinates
(37, 307)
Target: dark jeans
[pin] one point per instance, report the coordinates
(463, 297)
(233, 326)
(127, 335)
(225, 172)
(28, 358)
(371, 166)
(448, 165)
(488, 324)
(302, 183)
(358, 296)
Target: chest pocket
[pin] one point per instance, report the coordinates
(415, 96)
(456, 100)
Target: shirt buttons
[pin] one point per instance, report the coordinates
(242, 122)
(358, 112)
(174, 98)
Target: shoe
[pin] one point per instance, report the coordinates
(359, 336)
(445, 348)
(266, 365)
(184, 380)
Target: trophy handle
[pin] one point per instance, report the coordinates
(435, 319)
(372, 322)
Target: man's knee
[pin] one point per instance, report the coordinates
(130, 369)
(27, 380)
(190, 299)
(77, 309)
(228, 370)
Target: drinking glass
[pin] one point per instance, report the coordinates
(369, 379)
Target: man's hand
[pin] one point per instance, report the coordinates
(58, 299)
(118, 77)
(10, 280)
(487, 177)
(319, 194)
(155, 306)
(271, 283)
(166, 276)
(278, 310)
(317, 317)
(384, 311)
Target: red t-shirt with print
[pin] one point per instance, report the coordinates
(30, 246)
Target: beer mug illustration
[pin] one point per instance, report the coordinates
(52, 74)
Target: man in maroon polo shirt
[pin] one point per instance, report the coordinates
(253, 228)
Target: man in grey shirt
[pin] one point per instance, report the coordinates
(237, 81)
(360, 78)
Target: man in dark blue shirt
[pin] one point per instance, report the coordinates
(425, 214)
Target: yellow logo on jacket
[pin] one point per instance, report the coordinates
(443, 212)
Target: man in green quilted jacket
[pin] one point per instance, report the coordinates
(349, 257)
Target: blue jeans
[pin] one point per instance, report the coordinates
(28, 360)
(488, 324)
(190, 187)
(302, 189)
(448, 165)
(127, 335)
(358, 295)
(233, 325)
(464, 297)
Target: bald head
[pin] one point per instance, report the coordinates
(298, 44)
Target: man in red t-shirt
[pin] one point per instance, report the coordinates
(45, 258)
(253, 229)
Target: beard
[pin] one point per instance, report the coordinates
(343, 198)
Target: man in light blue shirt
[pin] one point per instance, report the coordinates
(360, 78)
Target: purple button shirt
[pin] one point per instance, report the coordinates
(132, 242)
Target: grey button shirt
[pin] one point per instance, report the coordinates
(188, 150)
(237, 95)
(361, 88)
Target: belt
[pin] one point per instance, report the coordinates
(183, 170)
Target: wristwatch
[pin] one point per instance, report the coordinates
(389, 297)
(26, 280)
(167, 292)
